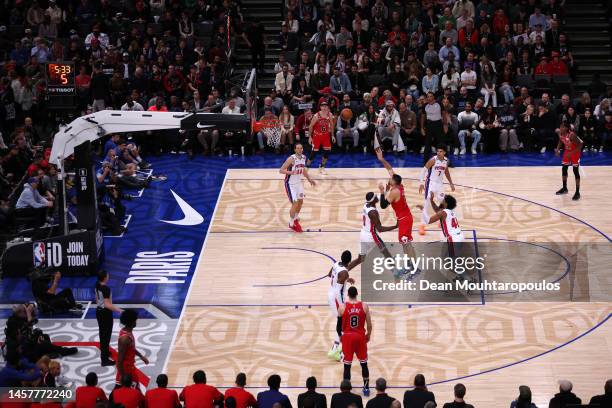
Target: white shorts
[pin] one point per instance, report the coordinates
(455, 238)
(437, 189)
(334, 299)
(294, 191)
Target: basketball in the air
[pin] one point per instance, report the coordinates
(346, 114)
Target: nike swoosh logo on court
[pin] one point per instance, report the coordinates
(199, 126)
(191, 216)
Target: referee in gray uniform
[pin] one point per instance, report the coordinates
(104, 316)
(431, 124)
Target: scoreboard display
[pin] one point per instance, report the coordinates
(61, 86)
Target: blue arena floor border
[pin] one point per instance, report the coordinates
(199, 183)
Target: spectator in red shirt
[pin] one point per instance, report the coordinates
(543, 67)
(199, 394)
(162, 397)
(468, 35)
(500, 21)
(243, 398)
(173, 80)
(159, 105)
(126, 395)
(88, 395)
(557, 66)
(396, 32)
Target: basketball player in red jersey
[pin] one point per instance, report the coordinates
(321, 134)
(572, 146)
(126, 361)
(394, 194)
(355, 336)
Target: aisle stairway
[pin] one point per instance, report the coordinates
(589, 33)
(269, 13)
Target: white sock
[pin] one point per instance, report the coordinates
(292, 220)
(425, 212)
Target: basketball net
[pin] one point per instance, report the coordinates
(272, 131)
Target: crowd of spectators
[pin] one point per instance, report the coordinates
(202, 395)
(152, 55)
(510, 62)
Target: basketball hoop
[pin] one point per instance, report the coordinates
(272, 132)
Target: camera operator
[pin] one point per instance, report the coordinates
(124, 174)
(27, 341)
(111, 209)
(44, 288)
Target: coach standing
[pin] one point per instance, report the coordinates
(104, 316)
(431, 124)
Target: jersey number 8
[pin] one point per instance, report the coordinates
(354, 322)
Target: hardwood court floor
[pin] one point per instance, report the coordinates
(258, 301)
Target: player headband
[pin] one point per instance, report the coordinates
(372, 199)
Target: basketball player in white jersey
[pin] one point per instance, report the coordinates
(293, 168)
(449, 224)
(339, 276)
(432, 181)
(370, 227)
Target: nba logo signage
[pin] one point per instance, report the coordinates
(47, 255)
(39, 254)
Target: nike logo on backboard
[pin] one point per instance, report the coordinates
(191, 216)
(200, 126)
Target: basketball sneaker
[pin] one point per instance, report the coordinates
(294, 227)
(366, 391)
(576, 196)
(337, 353)
(332, 352)
(563, 190)
(422, 229)
(298, 227)
(322, 171)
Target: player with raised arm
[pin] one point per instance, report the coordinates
(293, 168)
(356, 332)
(445, 214)
(394, 194)
(572, 146)
(335, 297)
(370, 227)
(449, 224)
(432, 181)
(321, 134)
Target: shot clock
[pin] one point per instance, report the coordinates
(61, 87)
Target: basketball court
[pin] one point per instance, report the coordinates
(258, 298)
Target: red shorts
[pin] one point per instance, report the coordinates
(321, 139)
(354, 343)
(571, 157)
(404, 229)
(129, 369)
